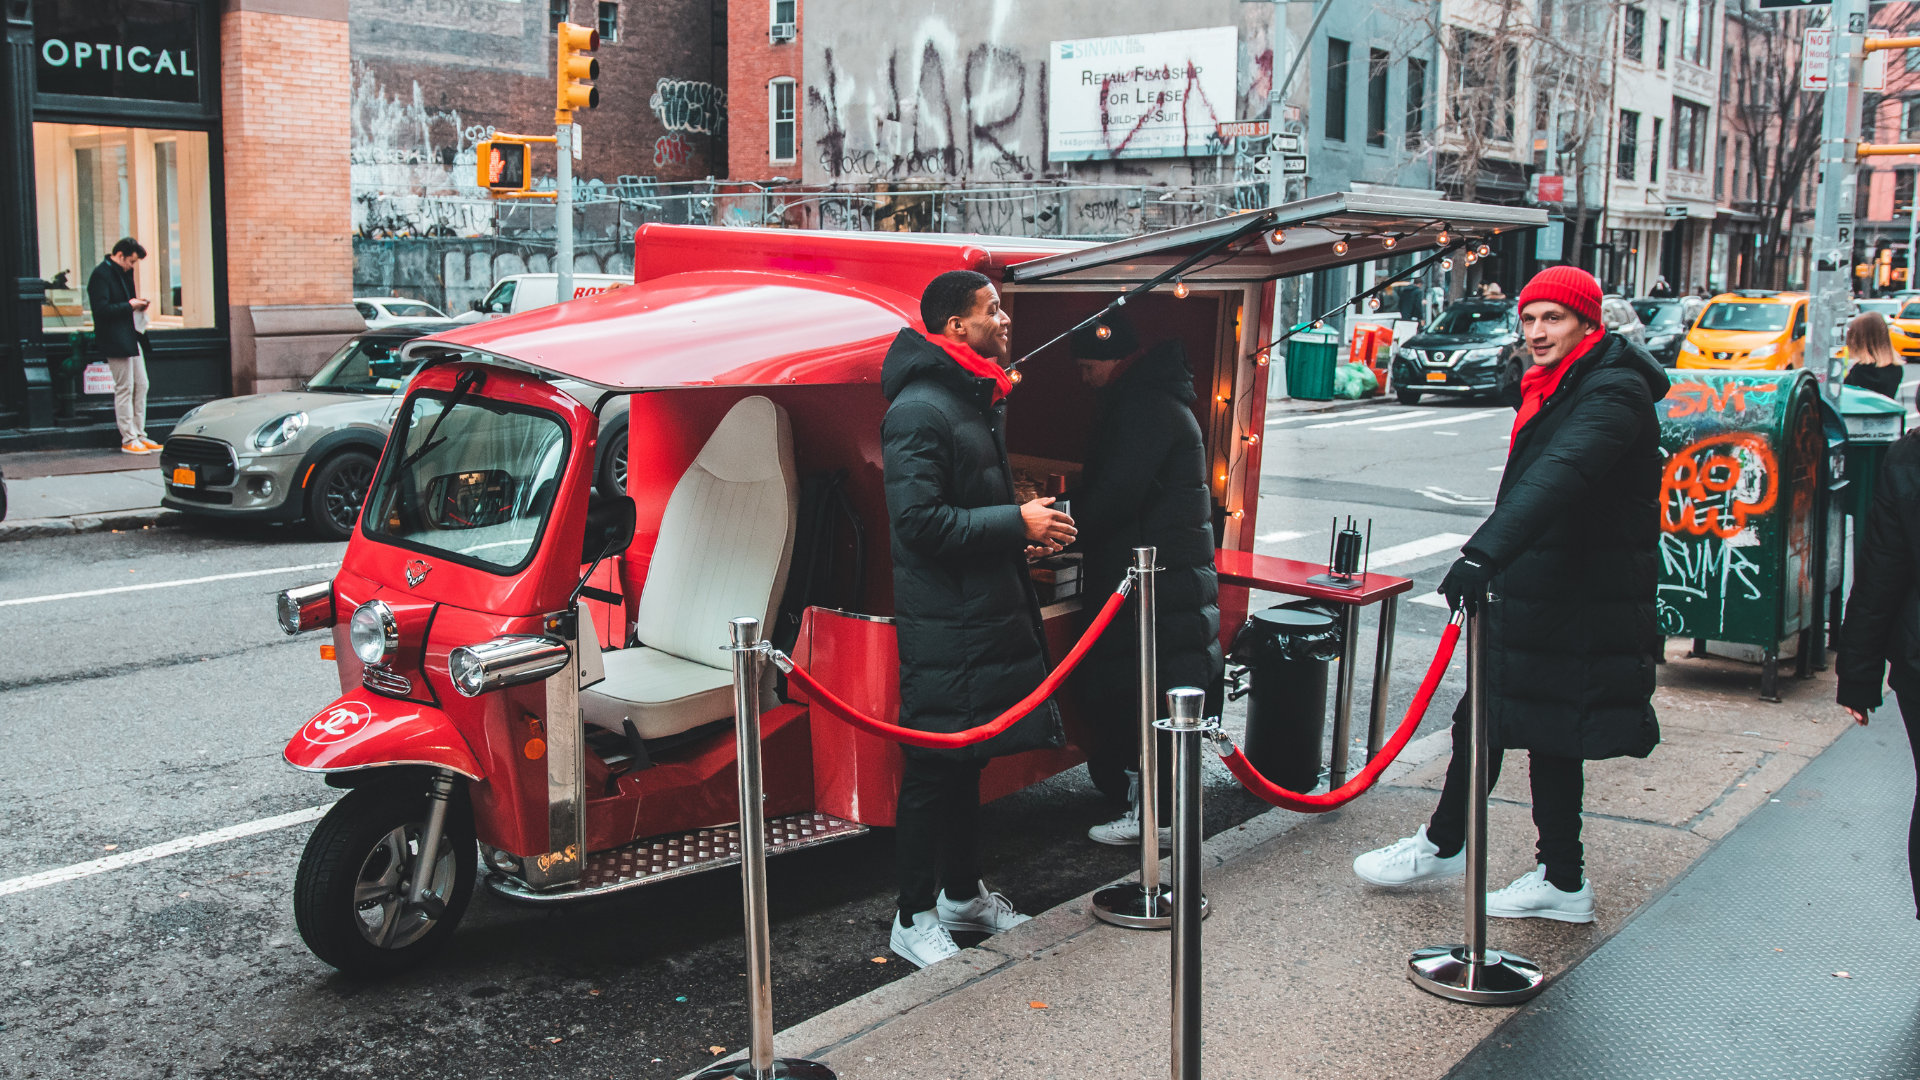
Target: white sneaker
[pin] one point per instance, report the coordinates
(1405, 862)
(1532, 896)
(987, 913)
(926, 942)
(1124, 831)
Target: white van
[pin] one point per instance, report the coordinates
(524, 292)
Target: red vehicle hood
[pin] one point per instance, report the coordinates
(362, 730)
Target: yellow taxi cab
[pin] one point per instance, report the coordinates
(1904, 329)
(1748, 328)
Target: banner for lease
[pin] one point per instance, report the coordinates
(1141, 96)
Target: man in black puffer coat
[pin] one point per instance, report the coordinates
(968, 620)
(1145, 486)
(1569, 558)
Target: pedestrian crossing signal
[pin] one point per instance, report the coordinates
(503, 166)
(571, 68)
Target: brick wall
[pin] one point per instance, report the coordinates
(752, 63)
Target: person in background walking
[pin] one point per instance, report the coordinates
(1564, 570)
(1408, 297)
(1882, 627)
(1872, 363)
(1145, 486)
(1660, 289)
(965, 611)
(111, 295)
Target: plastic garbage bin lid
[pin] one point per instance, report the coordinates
(1299, 633)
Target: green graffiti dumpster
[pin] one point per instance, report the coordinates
(1737, 498)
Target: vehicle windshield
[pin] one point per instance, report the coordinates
(368, 365)
(412, 309)
(1474, 320)
(1911, 310)
(1735, 316)
(475, 484)
(1660, 316)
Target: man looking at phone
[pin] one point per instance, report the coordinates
(111, 296)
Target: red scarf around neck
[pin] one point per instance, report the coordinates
(1539, 383)
(975, 364)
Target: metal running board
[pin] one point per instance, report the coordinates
(665, 858)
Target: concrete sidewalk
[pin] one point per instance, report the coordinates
(59, 492)
(1305, 964)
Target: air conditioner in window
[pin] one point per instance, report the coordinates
(779, 32)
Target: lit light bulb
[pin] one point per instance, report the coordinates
(1389, 242)
(1317, 324)
(1339, 247)
(1236, 514)
(1261, 359)
(1102, 331)
(1180, 289)
(1251, 440)
(1279, 237)
(1471, 259)
(1014, 377)
(1373, 303)
(1446, 264)
(1483, 251)
(1442, 238)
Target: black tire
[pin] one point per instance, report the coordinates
(611, 478)
(351, 857)
(338, 489)
(1407, 397)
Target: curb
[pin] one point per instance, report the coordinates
(38, 528)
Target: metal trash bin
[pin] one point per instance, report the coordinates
(1285, 651)
(1874, 423)
(1311, 358)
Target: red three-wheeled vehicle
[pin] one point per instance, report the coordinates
(537, 670)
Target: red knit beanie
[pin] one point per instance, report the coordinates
(1566, 285)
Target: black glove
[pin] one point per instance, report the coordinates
(1465, 585)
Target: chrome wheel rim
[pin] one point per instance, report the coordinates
(381, 912)
(619, 469)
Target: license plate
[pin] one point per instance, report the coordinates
(1436, 376)
(184, 476)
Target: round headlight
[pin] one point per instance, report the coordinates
(374, 633)
(466, 670)
(280, 430)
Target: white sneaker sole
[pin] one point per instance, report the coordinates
(1438, 875)
(1166, 839)
(912, 959)
(1556, 916)
(977, 928)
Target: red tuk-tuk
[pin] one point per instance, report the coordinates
(538, 670)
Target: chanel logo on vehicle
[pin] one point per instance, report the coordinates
(340, 722)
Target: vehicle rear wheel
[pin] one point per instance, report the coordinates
(339, 488)
(1407, 397)
(611, 479)
(350, 893)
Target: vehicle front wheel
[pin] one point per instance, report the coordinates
(350, 895)
(338, 489)
(1407, 397)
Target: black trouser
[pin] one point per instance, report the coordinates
(1912, 717)
(1558, 784)
(1108, 688)
(936, 841)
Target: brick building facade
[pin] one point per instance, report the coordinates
(764, 63)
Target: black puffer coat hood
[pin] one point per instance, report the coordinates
(1574, 539)
(967, 617)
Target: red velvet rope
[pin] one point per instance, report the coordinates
(940, 740)
(1250, 778)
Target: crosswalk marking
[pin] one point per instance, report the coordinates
(1457, 418)
(1416, 549)
(1279, 537)
(1349, 414)
(1349, 423)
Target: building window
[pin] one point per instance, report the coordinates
(1624, 163)
(1416, 101)
(609, 22)
(1696, 31)
(1903, 191)
(1911, 57)
(1720, 170)
(557, 13)
(1477, 67)
(1377, 97)
(780, 120)
(1633, 42)
(1337, 89)
(1689, 152)
(1910, 118)
(1666, 25)
(784, 12)
(97, 184)
(1869, 115)
(1653, 152)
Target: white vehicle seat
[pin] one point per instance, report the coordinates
(725, 541)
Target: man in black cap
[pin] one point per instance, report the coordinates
(1145, 485)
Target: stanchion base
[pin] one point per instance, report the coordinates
(1505, 979)
(1128, 905)
(783, 1069)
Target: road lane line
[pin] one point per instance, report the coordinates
(160, 851)
(1346, 423)
(1279, 537)
(1438, 421)
(1350, 413)
(1416, 549)
(166, 584)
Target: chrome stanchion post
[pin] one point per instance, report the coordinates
(1184, 706)
(1472, 972)
(749, 652)
(1382, 675)
(1343, 697)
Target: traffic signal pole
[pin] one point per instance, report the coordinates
(563, 214)
(571, 68)
(1833, 225)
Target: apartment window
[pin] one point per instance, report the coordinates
(780, 119)
(1903, 191)
(609, 22)
(1720, 170)
(1665, 26)
(1337, 51)
(557, 13)
(1689, 152)
(1869, 115)
(1909, 120)
(1624, 163)
(1416, 101)
(1633, 42)
(784, 12)
(1376, 97)
(1726, 74)
(1911, 57)
(1696, 32)
(1653, 152)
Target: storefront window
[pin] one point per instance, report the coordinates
(99, 184)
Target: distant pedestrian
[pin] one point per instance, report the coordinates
(1873, 365)
(1570, 552)
(119, 314)
(1492, 291)
(1661, 290)
(1410, 302)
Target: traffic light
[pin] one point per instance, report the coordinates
(504, 166)
(573, 67)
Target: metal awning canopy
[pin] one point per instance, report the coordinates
(1326, 231)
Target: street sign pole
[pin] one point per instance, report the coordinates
(563, 216)
(1833, 213)
(1277, 106)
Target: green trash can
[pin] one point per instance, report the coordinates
(1874, 422)
(1740, 493)
(1311, 357)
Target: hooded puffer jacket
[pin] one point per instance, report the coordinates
(968, 618)
(1574, 541)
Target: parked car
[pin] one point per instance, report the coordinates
(1619, 317)
(524, 292)
(1667, 320)
(1473, 347)
(1903, 326)
(1887, 306)
(382, 311)
(1750, 329)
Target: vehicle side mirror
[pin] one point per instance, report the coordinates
(475, 305)
(610, 524)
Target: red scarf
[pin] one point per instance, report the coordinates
(975, 364)
(1539, 383)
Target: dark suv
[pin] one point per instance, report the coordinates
(1472, 348)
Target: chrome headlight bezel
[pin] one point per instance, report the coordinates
(512, 660)
(374, 633)
(309, 607)
(280, 431)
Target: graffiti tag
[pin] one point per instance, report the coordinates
(1714, 485)
(1689, 398)
(686, 106)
